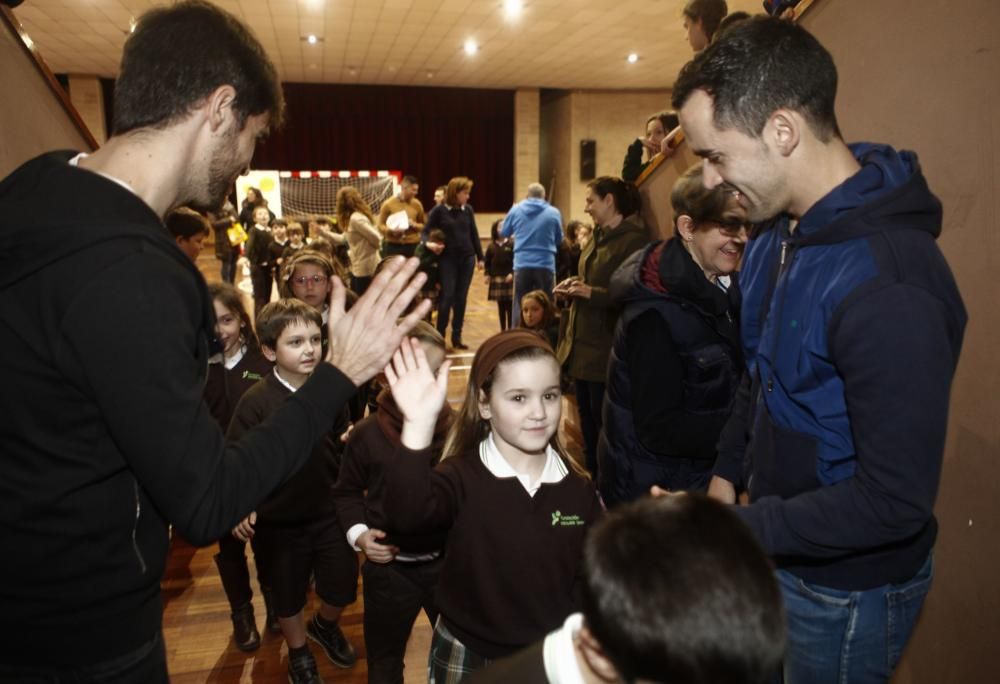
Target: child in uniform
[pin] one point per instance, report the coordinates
(539, 314)
(237, 367)
(400, 570)
(297, 526)
(499, 266)
(517, 508)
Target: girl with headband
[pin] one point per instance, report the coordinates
(516, 507)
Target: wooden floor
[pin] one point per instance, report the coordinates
(196, 622)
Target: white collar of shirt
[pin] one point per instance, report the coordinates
(326, 314)
(724, 283)
(559, 654)
(282, 380)
(75, 161)
(463, 207)
(261, 228)
(555, 470)
(233, 360)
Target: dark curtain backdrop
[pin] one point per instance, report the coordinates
(431, 133)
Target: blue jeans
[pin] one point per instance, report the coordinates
(526, 280)
(455, 276)
(849, 637)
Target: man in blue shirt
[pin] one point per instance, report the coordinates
(537, 229)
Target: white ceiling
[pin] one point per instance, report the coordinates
(554, 44)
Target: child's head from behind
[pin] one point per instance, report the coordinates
(437, 235)
(232, 322)
(189, 229)
(495, 230)
(676, 589)
(289, 333)
(514, 392)
(432, 342)
(537, 311)
(306, 276)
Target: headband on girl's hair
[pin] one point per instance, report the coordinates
(500, 346)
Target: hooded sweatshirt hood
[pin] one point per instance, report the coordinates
(35, 234)
(889, 189)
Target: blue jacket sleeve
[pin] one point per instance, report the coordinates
(896, 354)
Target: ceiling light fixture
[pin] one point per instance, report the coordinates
(632, 58)
(512, 8)
(312, 39)
(471, 47)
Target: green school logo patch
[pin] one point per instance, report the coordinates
(250, 375)
(566, 520)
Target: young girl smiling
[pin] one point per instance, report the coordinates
(516, 506)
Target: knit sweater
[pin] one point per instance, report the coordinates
(512, 561)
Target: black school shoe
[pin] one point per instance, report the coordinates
(245, 634)
(302, 670)
(458, 345)
(334, 643)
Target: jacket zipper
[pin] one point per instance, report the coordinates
(135, 527)
(785, 245)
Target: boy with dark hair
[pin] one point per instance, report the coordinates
(675, 590)
(297, 528)
(189, 229)
(849, 312)
(194, 93)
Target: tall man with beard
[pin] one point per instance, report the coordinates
(104, 338)
(851, 325)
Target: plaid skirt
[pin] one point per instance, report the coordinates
(450, 660)
(500, 290)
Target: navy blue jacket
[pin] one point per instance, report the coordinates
(852, 326)
(459, 226)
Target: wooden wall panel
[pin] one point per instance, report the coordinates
(925, 76)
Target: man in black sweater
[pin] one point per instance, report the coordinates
(104, 338)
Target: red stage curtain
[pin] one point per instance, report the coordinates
(431, 133)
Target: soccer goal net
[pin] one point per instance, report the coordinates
(300, 194)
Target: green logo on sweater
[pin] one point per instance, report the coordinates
(566, 520)
(250, 375)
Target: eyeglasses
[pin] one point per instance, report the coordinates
(314, 279)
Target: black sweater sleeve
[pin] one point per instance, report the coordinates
(733, 438)
(632, 166)
(474, 234)
(147, 380)
(349, 492)
(658, 414)
(419, 497)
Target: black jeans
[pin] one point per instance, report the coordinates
(145, 665)
(456, 277)
(590, 403)
(394, 594)
(360, 283)
(393, 248)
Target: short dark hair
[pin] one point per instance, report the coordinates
(186, 223)
(708, 12)
(275, 316)
(627, 199)
(676, 589)
(758, 66)
(178, 55)
(411, 180)
(729, 21)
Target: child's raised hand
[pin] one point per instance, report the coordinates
(418, 394)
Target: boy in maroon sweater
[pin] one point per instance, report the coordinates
(401, 570)
(297, 527)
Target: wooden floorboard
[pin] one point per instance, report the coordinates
(196, 622)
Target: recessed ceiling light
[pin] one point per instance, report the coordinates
(430, 74)
(312, 39)
(352, 70)
(512, 8)
(471, 47)
(632, 58)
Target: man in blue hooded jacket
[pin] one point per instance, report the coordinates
(537, 229)
(851, 325)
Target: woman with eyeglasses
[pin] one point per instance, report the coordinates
(676, 362)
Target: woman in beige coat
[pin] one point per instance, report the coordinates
(355, 218)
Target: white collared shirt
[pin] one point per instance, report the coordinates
(554, 471)
(283, 381)
(232, 361)
(559, 654)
